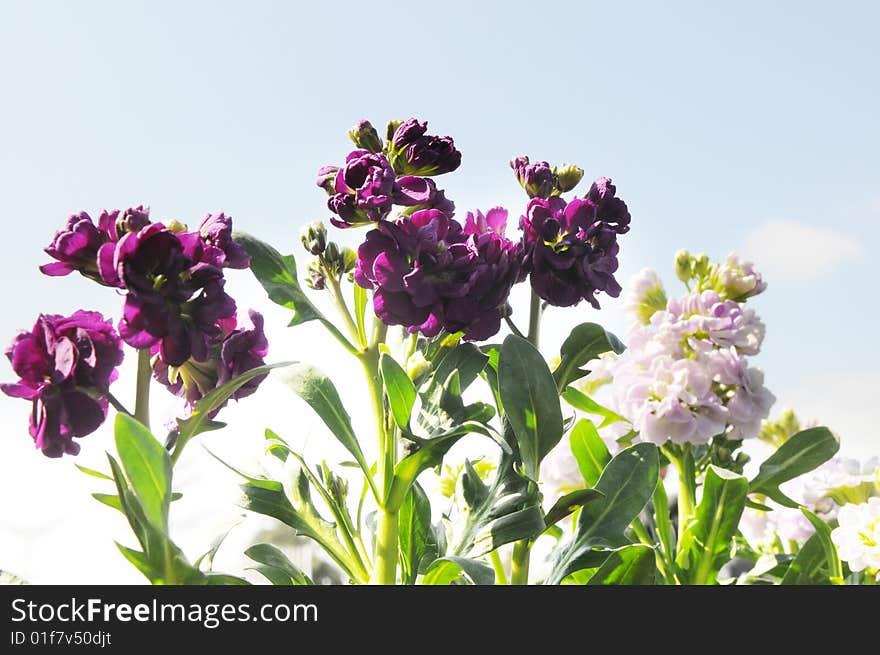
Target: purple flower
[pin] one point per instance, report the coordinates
(610, 210)
(175, 297)
(412, 152)
(429, 274)
(361, 190)
(537, 179)
(76, 247)
(215, 231)
(417, 193)
(234, 351)
(569, 253)
(64, 365)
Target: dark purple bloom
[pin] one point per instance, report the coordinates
(417, 193)
(429, 274)
(610, 210)
(76, 247)
(537, 179)
(234, 351)
(570, 254)
(412, 152)
(215, 231)
(361, 190)
(175, 297)
(65, 364)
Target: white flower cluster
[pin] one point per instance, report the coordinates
(857, 536)
(685, 376)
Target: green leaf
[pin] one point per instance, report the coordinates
(800, 454)
(589, 451)
(498, 514)
(586, 404)
(111, 500)
(810, 566)
(446, 570)
(466, 358)
(629, 565)
(706, 544)
(278, 569)
(199, 420)
(207, 558)
(569, 503)
(147, 466)
(418, 541)
(94, 473)
(277, 275)
(587, 341)
(627, 484)
(399, 389)
(318, 391)
(823, 532)
(531, 401)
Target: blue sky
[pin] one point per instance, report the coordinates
(751, 127)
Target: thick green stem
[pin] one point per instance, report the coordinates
(142, 397)
(385, 572)
(535, 320)
(498, 565)
(519, 563)
(687, 493)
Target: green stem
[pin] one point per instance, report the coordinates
(498, 565)
(142, 397)
(339, 301)
(534, 320)
(687, 492)
(385, 571)
(118, 406)
(641, 532)
(519, 563)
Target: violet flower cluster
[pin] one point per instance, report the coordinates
(66, 365)
(429, 272)
(175, 306)
(685, 376)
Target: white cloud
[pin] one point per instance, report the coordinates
(784, 247)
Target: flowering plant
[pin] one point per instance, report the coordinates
(569, 491)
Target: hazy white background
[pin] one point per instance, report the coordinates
(750, 127)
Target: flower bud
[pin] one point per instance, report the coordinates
(391, 128)
(314, 237)
(339, 260)
(175, 226)
(327, 178)
(315, 275)
(567, 177)
(683, 268)
(736, 280)
(537, 179)
(364, 136)
(134, 219)
(417, 367)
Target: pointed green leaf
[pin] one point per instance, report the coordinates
(629, 565)
(802, 453)
(418, 541)
(589, 451)
(569, 503)
(94, 473)
(530, 400)
(823, 533)
(446, 570)
(319, 392)
(399, 389)
(587, 341)
(360, 310)
(706, 544)
(272, 557)
(277, 275)
(147, 466)
(587, 405)
(627, 483)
